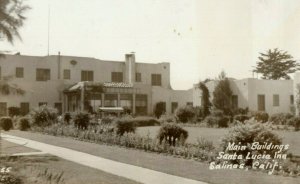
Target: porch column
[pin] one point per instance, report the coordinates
(133, 104)
(119, 100)
(82, 98)
(102, 99)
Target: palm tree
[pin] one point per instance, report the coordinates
(11, 18)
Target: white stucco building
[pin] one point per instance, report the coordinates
(272, 96)
(48, 80)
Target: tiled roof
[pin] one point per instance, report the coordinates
(117, 85)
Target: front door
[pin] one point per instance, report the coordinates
(261, 103)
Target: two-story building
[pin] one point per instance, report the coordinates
(60, 81)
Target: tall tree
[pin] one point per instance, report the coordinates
(11, 18)
(205, 103)
(222, 94)
(276, 64)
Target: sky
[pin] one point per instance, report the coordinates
(199, 38)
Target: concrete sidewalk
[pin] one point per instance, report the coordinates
(132, 172)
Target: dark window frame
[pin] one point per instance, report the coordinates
(19, 72)
(138, 77)
(43, 74)
(156, 79)
(87, 75)
(117, 77)
(67, 74)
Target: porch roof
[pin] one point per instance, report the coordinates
(80, 85)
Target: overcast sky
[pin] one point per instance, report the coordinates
(198, 37)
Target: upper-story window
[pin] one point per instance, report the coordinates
(67, 74)
(19, 72)
(116, 76)
(87, 75)
(138, 77)
(156, 79)
(291, 99)
(42, 74)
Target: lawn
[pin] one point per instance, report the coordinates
(46, 169)
(215, 135)
(159, 162)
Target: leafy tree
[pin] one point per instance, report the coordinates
(276, 64)
(205, 103)
(222, 94)
(11, 18)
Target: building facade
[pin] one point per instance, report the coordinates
(49, 80)
(272, 96)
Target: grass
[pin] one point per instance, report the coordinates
(47, 169)
(215, 135)
(159, 162)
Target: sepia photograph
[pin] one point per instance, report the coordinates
(149, 91)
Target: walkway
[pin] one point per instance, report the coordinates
(136, 173)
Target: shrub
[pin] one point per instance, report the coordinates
(124, 125)
(280, 118)
(241, 117)
(145, 121)
(43, 115)
(223, 122)
(246, 134)
(23, 124)
(295, 121)
(6, 123)
(67, 117)
(260, 116)
(185, 114)
(82, 120)
(159, 109)
(241, 111)
(107, 120)
(13, 111)
(167, 119)
(170, 132)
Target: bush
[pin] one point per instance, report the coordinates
(13, 111)
(280, 118)
(170, 132)
(167, 119)
(159, 109)
(23, 124)
(43, 116)
(245, 135)
(217, 119)
(145, 121)
(241, 118)
(185, 114)
(82, 120)
(124, 125)
(67, 117)
(295, 121)
(241, 111)
(6, 123)
(260, 116)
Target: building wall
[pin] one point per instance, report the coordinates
(51, 91)
(248, 90)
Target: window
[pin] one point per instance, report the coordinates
(174, 106)
(3, 108)
(276, 100)
(261, 106)
(234, 101)
(24, 108)
(189, 104)
(19, 72)
(42, 74)
(141, 102)
(156, 79)
(110, 100)
(116, 76)
(138, 77)
(87, 75)
(291, 99)
(67, 74)
(42, 103)
(58, 106)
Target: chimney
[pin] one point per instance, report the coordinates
(130, 68)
